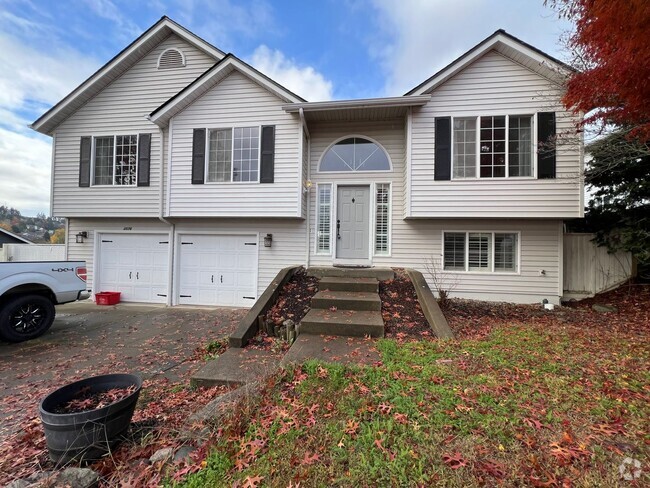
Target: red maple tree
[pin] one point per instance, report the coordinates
(610, 43)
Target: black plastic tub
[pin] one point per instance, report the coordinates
(87, 436)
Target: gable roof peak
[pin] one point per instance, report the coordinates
(507, 45)
(120, 63)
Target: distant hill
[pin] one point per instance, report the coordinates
(36, 229)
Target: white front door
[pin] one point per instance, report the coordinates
(217, 270)
(135, 265)
(352, 222)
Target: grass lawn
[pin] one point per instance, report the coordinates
(545, 402)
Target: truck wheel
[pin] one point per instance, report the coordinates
(25, 317)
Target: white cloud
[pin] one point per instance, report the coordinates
(109, 11)
(416, 38)
(30, 82)
(25, 172)
(302, 80)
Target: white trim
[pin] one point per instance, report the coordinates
(560, 264)
(360, 103)
(300, 179)
(164, 23)
(211, 78)
(67, 238)
(170, 136)
(507, 177)
(408, 162)
(475, 53)
(355, 172)
(184, 63)
(177, 258)
(317, 209)
(389, 229)
(491, 271)
(137, 159)
(52, 174)
(97, 234)
(232, 153)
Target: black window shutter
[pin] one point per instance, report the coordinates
(546, 145)
(268, 154)
(144, 159)
(442, 163)
(198, 157)
(85, 153)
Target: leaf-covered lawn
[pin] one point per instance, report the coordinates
(558, 400)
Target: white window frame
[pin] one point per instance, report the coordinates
(232, 153)
(355, 172)
(92, 160)
(318, 251)
(477, 177)
(389, 223)
(492, 251)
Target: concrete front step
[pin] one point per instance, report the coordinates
(334, 283)
(352, 323)
(380, 274)
(236, 367)
(346, 300)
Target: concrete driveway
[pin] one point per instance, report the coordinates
(87, 339)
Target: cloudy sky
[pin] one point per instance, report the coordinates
(319, 49)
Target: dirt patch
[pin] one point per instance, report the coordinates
(400, 309)
(471, 318)
(293, 303)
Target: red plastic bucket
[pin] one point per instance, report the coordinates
(107, 297)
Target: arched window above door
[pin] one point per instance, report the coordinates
(355, 154)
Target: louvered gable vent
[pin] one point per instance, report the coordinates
(171, 58)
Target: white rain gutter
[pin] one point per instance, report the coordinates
(304, 126)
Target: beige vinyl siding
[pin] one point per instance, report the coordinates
(236, 101)
(120, 109)
(390, 134)
(288, 239)
(86, 250)
(493, 85)
(288, 248)
(413, 241)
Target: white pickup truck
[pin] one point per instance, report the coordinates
(29, 291)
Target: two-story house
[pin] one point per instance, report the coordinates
(188, 177)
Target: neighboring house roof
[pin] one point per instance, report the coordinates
(212, 77)
(508, 45)
(15, 236)
(117, 66)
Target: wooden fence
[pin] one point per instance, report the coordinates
(590, 269)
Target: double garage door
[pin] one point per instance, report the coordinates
(211, 269)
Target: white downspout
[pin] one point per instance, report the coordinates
(161, 213)
(303, 124)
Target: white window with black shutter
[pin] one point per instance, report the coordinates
(233, 154)
(115, 160)
(495, 146)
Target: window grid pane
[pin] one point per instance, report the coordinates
(323, 228)
(493, 147)
(505, 252)
(246, 149)
(103, 160)
(220, 155)
(126, 150)
(381, 221)
(454, 251)
(520, 146)
(479, 251)
(465, 147)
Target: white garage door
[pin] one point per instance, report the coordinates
(135, 265)
(218, 270)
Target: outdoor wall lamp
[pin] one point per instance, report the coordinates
(307, 186)
(79, 238)
(268, 240)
